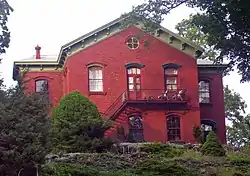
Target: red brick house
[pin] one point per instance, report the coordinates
(157, 92)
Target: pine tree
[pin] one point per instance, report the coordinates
(77, 125)
(24, 130)
(212, 146)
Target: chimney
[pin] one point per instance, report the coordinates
(38, 48)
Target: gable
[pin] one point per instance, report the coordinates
(105, 32)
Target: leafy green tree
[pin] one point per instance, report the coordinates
(238, 133)
(77, 125)
(5, 10)
(228, 27)
(191, 32)
(212, 146)
(24, 134)
(226, 24)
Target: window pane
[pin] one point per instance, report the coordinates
(171, 80)
(130, 80)
(137, 80)
(41, 85)
(95, 73)
(171, 71)
(203, 85)
(95, 85)
(133, 70)
(130, 40)
(171, 87)
(130, 71)
(138, 71)
(138, 87)
(131, 86)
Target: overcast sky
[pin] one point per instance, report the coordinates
(53, 23)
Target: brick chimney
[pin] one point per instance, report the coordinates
(38, 48)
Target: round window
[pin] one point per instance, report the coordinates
(133, 43)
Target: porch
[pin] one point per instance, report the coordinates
(155, 96)
(149, 99)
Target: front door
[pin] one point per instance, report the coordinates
(134, 83)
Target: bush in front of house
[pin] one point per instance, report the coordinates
(212, 146)
(161, 149)
(159, 167)
(66, 169)
(77, 126)
(24, 129)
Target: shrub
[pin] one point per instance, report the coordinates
(156, 167)
(77, 126)
(67, 169)
(24, 130)
(212, 146)
(197, 133)
(78, 170)
(161, 149)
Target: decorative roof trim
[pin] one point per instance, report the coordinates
(212, 68)
(106, 31)
(134, 65)
(171, 65)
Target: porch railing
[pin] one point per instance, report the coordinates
(116, 105)
(178, 95)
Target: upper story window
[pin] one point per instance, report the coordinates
(204, 91)
(95, 79)
(171, 77)
(41, 85)
(133, 43)
(134, 79)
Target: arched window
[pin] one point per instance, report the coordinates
(136, 128)
(134, 79)
(206, 127)
(173, 127)
(204, 91)
(95, 79)
(171, 77)
(41, 85)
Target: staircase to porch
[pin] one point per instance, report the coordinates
(124, 105)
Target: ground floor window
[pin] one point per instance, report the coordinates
(135, 129)
(173, 128)
(206, 127)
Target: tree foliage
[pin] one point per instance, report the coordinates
(77, 125)
(5, 10)
(191, 32)
(238, 133)
(226, 24)
(228, 27)
(212, 146)
(24, 130)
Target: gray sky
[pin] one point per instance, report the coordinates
(53, 23)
